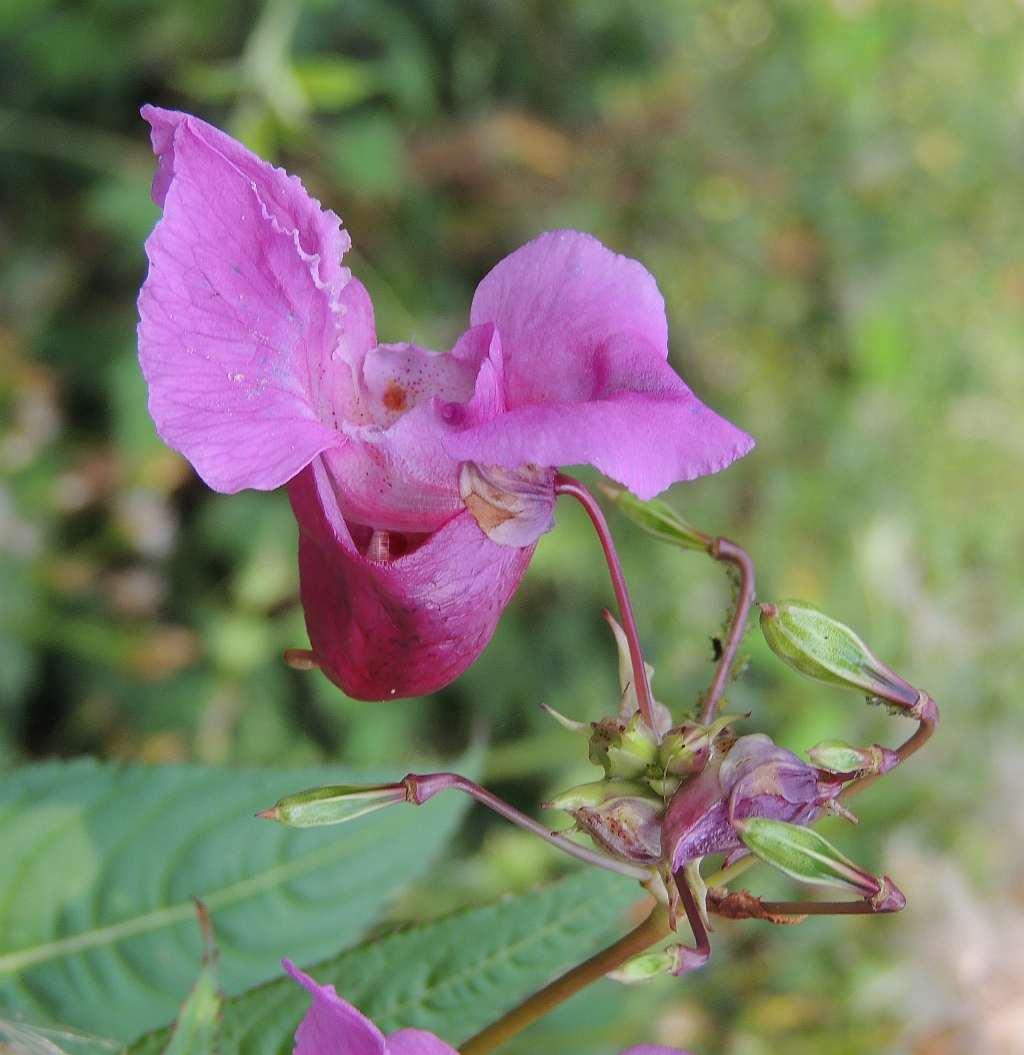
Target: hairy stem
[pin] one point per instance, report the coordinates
(723, 549)
(421, 788)
(652, 930)
(568, 485)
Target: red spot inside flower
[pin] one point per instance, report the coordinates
(394, 398)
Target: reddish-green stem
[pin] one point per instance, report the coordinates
(723, 549)
(927, 714)
(421, 788)
(652, 930)
(567, 485)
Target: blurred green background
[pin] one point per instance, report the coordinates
(831, 197)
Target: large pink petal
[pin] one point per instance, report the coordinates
(405, 627)
(332, 1026)
(247, 317)
(556, 302)
(646, 442)
(319, 231)
(417, 1042)
(585, 350)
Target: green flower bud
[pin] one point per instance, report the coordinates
(836, 756)
(625, 750)
(649, 965)
(334, 803)
(621, 816)
(658, 519)
(686, 750)
(804, 855)
(822, 649)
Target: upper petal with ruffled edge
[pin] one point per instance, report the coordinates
(332, 1026)
(402, 627)
(587, 379)
(248, 320)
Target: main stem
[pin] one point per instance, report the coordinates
(723, 549)
(652, 930)
(568, 485)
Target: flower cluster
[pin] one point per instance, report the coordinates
(421, 482)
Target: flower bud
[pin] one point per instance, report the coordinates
(671, 960)
(625, 751)
(807, 856)
(822, 649)
(754, 779)
(334, 803)
(836, 756)
(686, 750)
(619, 815)
(658, 519)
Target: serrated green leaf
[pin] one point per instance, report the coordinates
(99, 863)
(452, 977)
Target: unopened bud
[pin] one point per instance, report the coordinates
(625, 751)
(621, 816)
(824, 650)
(805, 855)
(334, 803)
(686, 750)
(658, 519)
(836, 756)
(649, 965)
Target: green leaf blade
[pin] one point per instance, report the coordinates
(452, 977)
(99, 865)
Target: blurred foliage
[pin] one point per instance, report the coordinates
(830, 196)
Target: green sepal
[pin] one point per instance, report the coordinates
(658, 519)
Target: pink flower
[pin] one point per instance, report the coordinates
(421, 481)
(333, 1026)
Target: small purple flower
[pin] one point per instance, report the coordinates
(332, 1026)
(755, 779)
(421, 481)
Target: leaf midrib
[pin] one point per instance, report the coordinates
(167, 917)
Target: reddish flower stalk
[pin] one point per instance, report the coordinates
(568, 485)
(723, 549)
(927, 715)
(421, 788)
